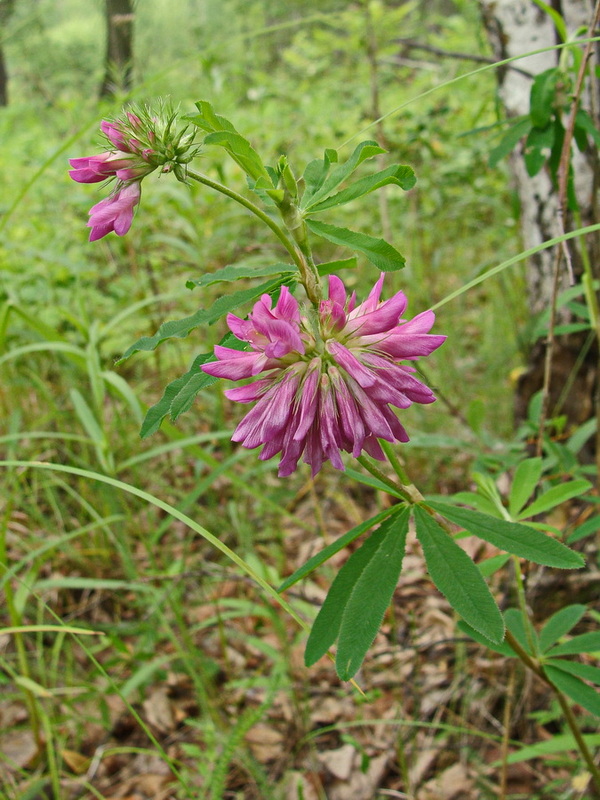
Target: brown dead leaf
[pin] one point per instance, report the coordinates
(454, 783)
(360, 785)
(159, 711)
(338, 762)
(265, 742)
(76, 762)
(19, 749)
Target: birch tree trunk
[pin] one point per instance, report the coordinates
(515, 27)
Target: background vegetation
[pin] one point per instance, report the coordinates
(190, 672)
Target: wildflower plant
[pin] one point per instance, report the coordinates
(325, 372)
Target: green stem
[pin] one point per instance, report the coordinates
(395, 462)
(258, 212)
(408, 493)
(298, 250)
(522, 601)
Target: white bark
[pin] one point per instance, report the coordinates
(516, 27)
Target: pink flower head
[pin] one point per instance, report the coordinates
(115, 213)
(138, 144)
(328, 383)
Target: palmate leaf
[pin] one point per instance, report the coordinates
(520, 540)
(378, 251)
(322, 185)
(458, 579)
(180, 328)
(397, 174)
(358, 597)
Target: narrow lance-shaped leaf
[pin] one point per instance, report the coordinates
(555, 496)
(316, 171)
(342, 171)
(520, 540)
(370, 597)
(526, 478)
(586, 671)
(523, 633)
(378, 251)
(326, 626)
(542, 96)
(222, 132)
(584, 643)
(559, 624)
(243, 269)
(179, 394)
(397, 174)
(576, 689)
(181, 328)
(458, 579)
(503, 648)
(327, 552)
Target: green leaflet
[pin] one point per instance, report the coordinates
(329, 551)
(222, 132)
(574, 688)
(319, 186)
(180, 328)
(542, 96)
(352, 609)
(514, 537)
(585, 643)
(555, 496)
(526, 478)
(458, 579)
(180, 393)
(559, 624)
(397, 174)
(378, 251)
(243, 269)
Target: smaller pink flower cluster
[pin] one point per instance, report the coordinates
(129, 162)
(137, 145)
(329, 376)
